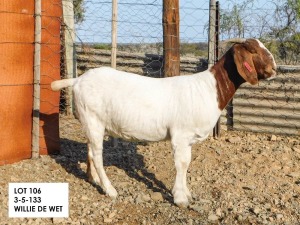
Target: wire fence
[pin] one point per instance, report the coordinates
(139, 35)
(140, 50)
(272, 107)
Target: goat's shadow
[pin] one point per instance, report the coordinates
(73, 155)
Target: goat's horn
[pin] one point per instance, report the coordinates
(235, 40)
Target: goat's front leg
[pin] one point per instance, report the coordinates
(96, 170)
(182, 159)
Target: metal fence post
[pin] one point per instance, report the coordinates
(36, 81)
(217, 128)
(212, 47)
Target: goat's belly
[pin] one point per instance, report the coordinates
(141, 133)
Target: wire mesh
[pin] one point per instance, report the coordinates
(273, 106)
(139, 35)
(140, 50)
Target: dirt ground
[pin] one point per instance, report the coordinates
(240, 178)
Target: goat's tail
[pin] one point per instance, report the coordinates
(59, 84)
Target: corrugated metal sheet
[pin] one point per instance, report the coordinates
(271, 107)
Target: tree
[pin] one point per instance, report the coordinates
(231, 23)
(78, 11)
(286, 30)
(280, 32)
(232, 20)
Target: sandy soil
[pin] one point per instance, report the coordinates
(240, 178)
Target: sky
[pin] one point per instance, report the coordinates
(142, 22)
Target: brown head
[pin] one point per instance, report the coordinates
(253, 60)
(248, 60)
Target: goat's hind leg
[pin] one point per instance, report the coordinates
(96, 172)
(91, 170)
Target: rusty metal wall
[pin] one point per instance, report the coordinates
(16, 71)
(50, 70)
(16, 77)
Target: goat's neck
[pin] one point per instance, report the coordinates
(228, 79)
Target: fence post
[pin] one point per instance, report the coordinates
(217, 128)
(212, 32)
(114, 29)
(171, 37)
(35, 151)
(217, 31)
(114, 34)
(70, 52)
(213, 46)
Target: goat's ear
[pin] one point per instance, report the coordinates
(244, 63)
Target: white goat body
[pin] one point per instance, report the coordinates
(182, 108)
(135, 107)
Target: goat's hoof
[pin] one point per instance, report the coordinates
(182, 204)
(181, 199)
(188, 194)
(111, 192)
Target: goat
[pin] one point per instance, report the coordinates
(183, 109)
